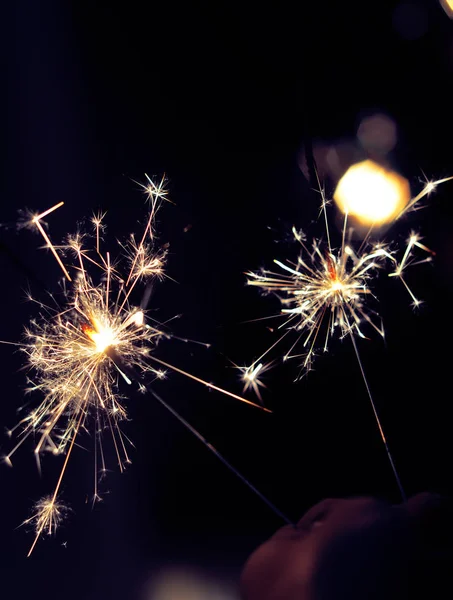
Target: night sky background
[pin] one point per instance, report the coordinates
(223, 100)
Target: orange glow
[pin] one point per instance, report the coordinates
(103, 337)
(371, 193)
(447, 5)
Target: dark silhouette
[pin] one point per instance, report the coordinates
(355, 549)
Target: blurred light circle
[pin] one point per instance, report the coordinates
(447, 5)
(371, 193)
(377, 132)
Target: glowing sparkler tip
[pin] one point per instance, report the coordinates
(103, 339)
(337, 286)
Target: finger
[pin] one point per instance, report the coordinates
(432, 519)
(318, 513)
(423, 503)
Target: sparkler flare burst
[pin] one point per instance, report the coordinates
(323, 292)
(250, 377)
(328, 291)
(47, 515)
(77, 352)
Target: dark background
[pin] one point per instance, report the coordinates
(221, 99)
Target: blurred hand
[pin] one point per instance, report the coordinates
(359, 548)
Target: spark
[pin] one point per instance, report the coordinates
(251, 375)
(251, 378)
(429, 187)
(78, 350)
(408, 260)
(48, 514)
(37, 221)
(97, 221)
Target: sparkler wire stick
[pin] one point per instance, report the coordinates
(134, 377)
(206, 383)
(362, 370)
(378, 421)
(216, 453)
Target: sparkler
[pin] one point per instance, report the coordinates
(78, 353)
(327, 293)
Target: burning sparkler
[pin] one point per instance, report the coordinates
(326, 291)
(78, 352)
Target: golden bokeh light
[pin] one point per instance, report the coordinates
(371, 193)
(447, 5)
(377, 133)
